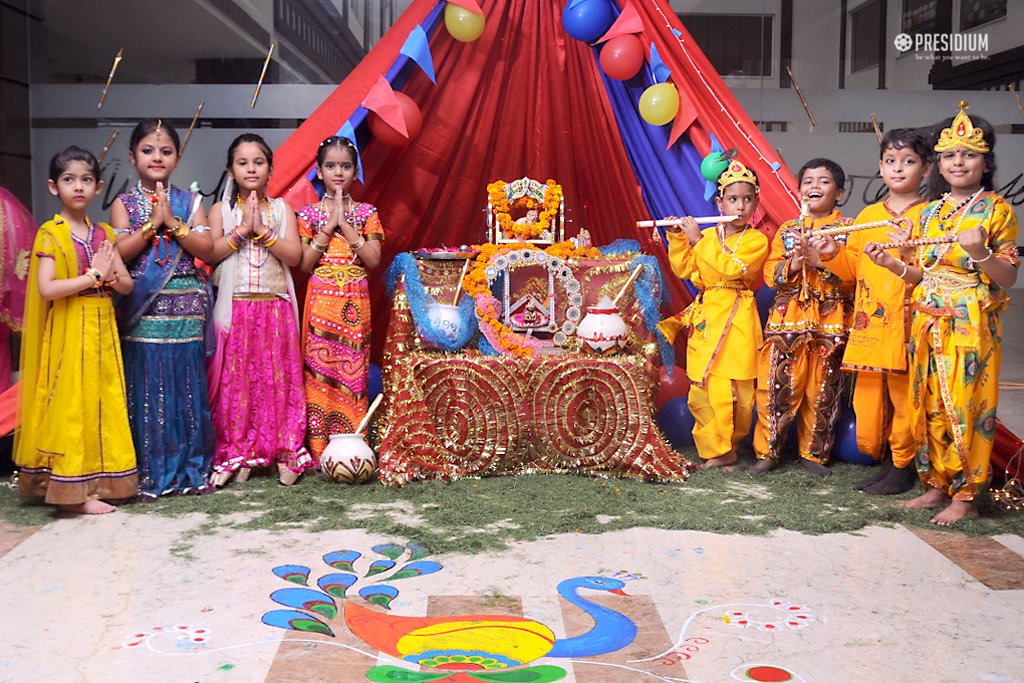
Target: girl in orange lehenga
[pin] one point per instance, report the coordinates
(340, 236)
(956, 333)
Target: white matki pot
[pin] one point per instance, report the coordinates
(348, 459)
(602, 330)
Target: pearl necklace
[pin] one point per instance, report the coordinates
(966, 205)
(722, 238)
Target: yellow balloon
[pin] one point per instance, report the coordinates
(659, 104)
(463, 24)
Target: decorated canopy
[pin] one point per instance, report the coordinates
(526, 98)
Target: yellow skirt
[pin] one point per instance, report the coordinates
(83, 448)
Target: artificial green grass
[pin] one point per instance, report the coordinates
(477, 515)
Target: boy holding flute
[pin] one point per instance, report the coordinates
(798, 365)
(724, 329)
(876, 349)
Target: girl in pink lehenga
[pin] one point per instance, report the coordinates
(256, 390)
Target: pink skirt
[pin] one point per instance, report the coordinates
(259, 412)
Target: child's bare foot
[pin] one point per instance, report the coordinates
(725, 460)
(89, 507)
(932, 498)
(955, 511)
(762, 466)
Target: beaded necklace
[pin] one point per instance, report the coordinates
(964, 207)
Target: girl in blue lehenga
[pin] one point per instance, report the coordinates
(163, 323)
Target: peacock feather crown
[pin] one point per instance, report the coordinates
(736, 173)
(962, 133)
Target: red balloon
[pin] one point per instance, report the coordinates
(669, 387)
(622, 57)
(413, 122)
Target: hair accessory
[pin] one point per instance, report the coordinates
(962, 133)
(736, 173)
(159, 130)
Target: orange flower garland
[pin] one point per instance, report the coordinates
(479, 287)
(501, 205)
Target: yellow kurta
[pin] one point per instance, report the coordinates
(876, 348)
(798, 365)
(955, 349)
(74, 443)
(724, 333)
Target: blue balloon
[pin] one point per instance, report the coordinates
(587, 20)
(374, 383)
(676, 422)
(845, 447)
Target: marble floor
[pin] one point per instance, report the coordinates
(127, 597)
(137, 598)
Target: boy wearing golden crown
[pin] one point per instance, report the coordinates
(798, 365)
(723, 324)
(961, 272)
(876, 349)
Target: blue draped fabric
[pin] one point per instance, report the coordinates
(671, 180)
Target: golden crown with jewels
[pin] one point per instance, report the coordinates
(736, 173)
(962, 133)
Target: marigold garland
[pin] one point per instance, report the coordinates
(501, 206)
(478, 286)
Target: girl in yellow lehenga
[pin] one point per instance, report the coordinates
(723, 323)
(956, 332)
(74, 446)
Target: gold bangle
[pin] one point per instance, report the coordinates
(181, 229)
(271, 241)
(147, 230)
(319, 247)
(357, 245)
(96, 275)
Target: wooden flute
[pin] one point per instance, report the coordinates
(854, 227)
(918, 242)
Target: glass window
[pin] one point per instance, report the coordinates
(737, 45)
(977, 12)
(919, 16)
(867, 35)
